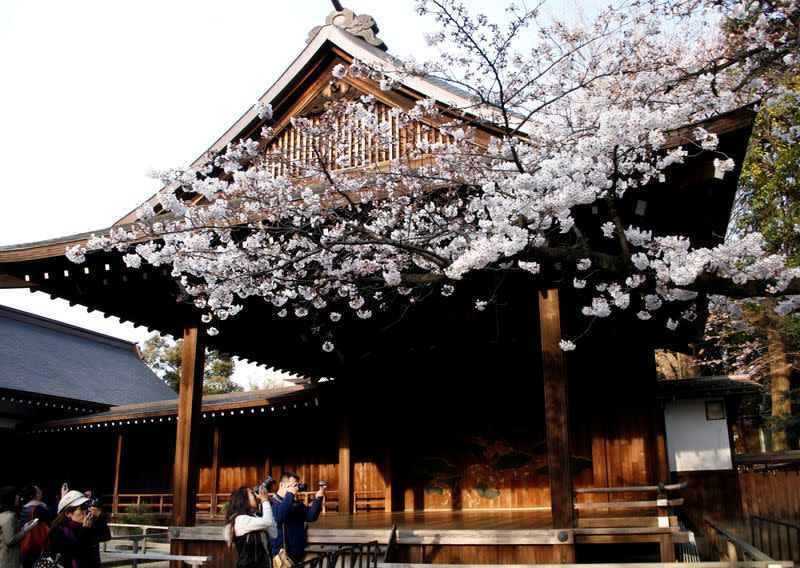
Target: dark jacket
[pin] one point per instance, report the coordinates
(78, 546)
(293, 516)
(250, 551)
(36, 510)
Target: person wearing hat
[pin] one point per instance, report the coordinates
(77, 532)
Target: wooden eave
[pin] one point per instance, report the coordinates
(151, 297)
(725, 386)
(43, 249)
(229, 402)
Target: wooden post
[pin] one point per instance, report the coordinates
(730, 551)
(387, 480)
(185, 469)
(345, 471)
(115, 502)
(215, 472)
(555, 401)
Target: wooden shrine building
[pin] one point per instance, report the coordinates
(447, 419)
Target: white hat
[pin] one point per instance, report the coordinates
(71, 498)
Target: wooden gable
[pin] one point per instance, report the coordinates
(304, 91)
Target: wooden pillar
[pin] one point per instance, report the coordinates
(115, 502)
(215, 472)
(555, 400)
(387, 480)
(185, 469)
(345, 470)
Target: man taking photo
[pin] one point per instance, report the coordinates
(291, 515)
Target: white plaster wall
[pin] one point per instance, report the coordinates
(693, 442)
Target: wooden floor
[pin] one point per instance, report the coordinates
(440, 520)
(532, 527)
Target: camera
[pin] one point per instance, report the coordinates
(266, 484)
(303, 487)
(95, 502)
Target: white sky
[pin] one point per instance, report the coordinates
(95, 93)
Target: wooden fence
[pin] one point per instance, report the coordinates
(730, 547)
(161, 503)
(771, 494)
(778, 539)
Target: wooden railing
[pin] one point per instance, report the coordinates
(778, 539)
(363, 555)
(161, 503)
(617, 510)
(725, 545)
(156, 502)
(365, 501)
(622, 519)
(125, 536)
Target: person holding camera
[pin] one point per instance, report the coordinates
(78, 530)
(291, 516)
(245, 531)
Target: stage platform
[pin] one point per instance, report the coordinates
(454, 537)
(538, 519)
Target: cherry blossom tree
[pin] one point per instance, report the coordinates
(578, 115)
(751, 337)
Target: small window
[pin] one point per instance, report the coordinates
(715, 410)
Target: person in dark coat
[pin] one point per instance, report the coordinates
(33, 507)
(291, 516)
(77, 532)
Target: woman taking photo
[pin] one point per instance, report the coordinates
(77, 532)
(245, 531)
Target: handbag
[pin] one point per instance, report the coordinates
(46, 561)
(282, 560)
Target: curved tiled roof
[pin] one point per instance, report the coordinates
(46, 357)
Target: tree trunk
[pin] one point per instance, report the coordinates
(779, 373)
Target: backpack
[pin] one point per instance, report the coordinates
(34, 541)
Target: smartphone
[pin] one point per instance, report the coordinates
(35, 522)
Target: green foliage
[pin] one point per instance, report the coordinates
(136, 514)
(789, 424)
(487, 492)
(770, 182)
(164, 357)
(768, 202)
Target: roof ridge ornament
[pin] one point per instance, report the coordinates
(362, 26)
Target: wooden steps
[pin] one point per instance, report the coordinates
(605, 522)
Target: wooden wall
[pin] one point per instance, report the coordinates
(616, 421)
(85, 460)
(460, 413)
(713, 493)
(771, 494)
(483, 554)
